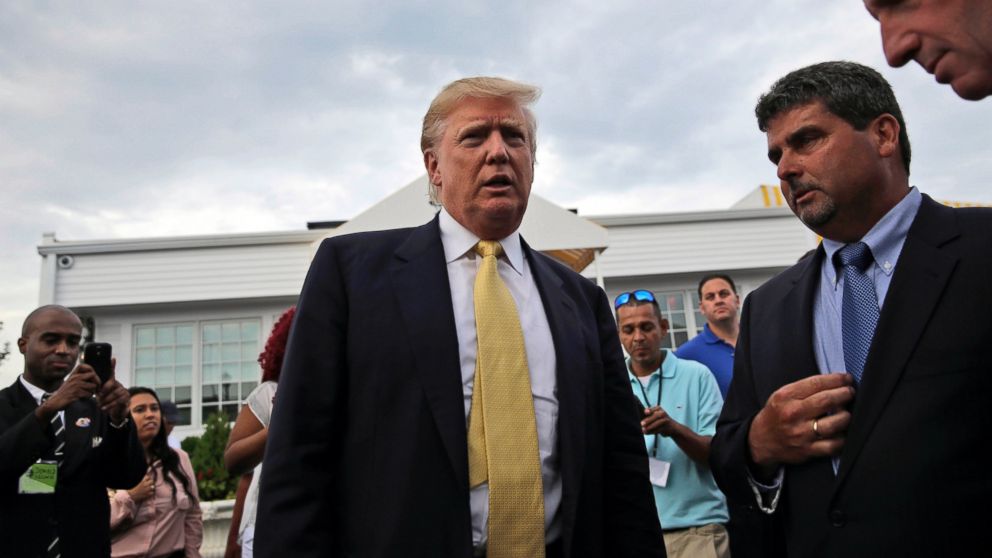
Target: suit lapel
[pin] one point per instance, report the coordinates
(796, 309)
(917, 286)
(74, 450)
(77, 437)
(571, 375)
(420, 280)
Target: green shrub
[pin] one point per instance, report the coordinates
(206, 452)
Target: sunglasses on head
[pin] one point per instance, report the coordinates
(624, 298)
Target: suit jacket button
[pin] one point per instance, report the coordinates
(838, 518)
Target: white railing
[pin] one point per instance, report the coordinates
(216, 522)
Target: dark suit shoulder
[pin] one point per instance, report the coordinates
(13, 394)
(962, 232)
(975, 219)
(784, 280)
(370, 252)
(15, 404)
(365, 242)
(368, 238)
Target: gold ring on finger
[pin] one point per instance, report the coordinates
(816, 429)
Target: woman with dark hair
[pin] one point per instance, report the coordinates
(246, 445)
(161, 515)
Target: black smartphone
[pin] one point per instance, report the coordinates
(97, 355)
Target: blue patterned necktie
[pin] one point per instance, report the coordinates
(860, 311)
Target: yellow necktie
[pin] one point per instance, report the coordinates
(502, 430)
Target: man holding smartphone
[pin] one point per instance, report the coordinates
(65, 438)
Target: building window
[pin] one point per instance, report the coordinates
(700, 320)
(229, 365)
(163, 361)
(672, 306)
(213, 374)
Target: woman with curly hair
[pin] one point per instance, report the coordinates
(160, 517)
(246, 445)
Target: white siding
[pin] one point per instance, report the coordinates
(746, 282)
(689, 247)
(193, 274)
(116, 326)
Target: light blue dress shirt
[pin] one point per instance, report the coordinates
(885, 240)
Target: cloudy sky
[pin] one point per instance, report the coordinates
(135, 119)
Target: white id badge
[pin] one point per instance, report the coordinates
(658, 470)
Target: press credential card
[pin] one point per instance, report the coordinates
(40, 478)
(659, 471)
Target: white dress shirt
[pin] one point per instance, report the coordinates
(463, 263)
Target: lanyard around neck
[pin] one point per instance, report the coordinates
(644, 392)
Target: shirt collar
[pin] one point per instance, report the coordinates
(459, 241)
(885, 239)
(667, 369)
(709, 336)
(34, 390)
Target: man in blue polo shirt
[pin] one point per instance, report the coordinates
(681, 402)
(714, 346)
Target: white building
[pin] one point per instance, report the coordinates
(189, 315)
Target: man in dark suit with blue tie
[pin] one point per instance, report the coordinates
(63, 442)
(384, 442)
(863, 374)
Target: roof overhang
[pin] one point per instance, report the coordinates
(547, 227)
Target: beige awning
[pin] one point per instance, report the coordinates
(547, 227)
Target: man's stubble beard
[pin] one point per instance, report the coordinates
(816, 214)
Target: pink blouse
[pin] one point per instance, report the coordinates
(157, 526)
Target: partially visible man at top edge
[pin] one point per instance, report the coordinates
(951, 39)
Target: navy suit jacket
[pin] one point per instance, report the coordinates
(96, 456)
(913, 480)
(367, 452)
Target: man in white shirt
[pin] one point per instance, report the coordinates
(375, 446)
